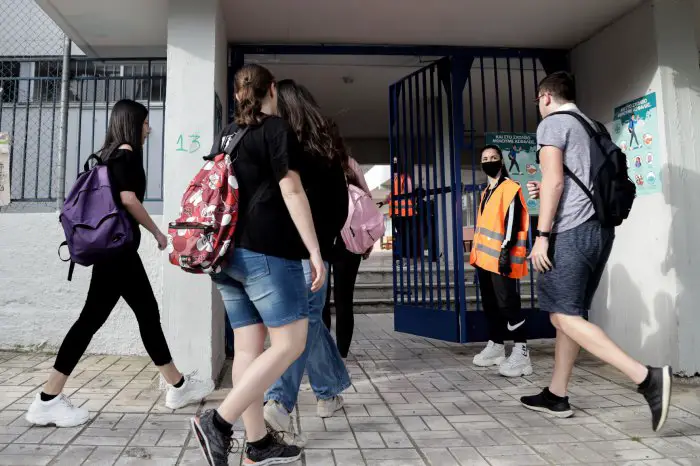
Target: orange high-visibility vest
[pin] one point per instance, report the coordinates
(489, 233)
(403, 207)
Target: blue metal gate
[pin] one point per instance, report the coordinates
(428, 265)
(439, 116)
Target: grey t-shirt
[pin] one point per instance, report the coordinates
(567, 134)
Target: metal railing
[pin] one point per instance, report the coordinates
(30, 103)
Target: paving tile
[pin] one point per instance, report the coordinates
(28, 455)
(73, 455)
(348, 457)
(468, 456)
(370, 440)
(396, 440)
(556, 454)
(155, 456)
(325, 440)
(437, 423)
(523, 460)
(337, 423)
(319, 458)
(439, 457)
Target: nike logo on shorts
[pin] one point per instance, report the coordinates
(513, 328)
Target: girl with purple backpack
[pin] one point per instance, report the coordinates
(121, 276)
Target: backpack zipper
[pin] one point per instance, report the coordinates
(190, 226)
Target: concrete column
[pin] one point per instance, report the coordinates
(677, 51)
(192, 318)
(648, 296)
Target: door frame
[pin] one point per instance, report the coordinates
(551, 60)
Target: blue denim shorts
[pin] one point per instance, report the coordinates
(257, 288)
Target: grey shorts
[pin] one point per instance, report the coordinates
(578, 257)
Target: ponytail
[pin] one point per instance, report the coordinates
(253, 83)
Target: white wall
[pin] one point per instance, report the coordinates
(38, 305)
(638, 299)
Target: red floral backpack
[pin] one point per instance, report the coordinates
(201, 236)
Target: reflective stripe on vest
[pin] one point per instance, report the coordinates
(497, 253)
(489, 233)
(403, 207)
(498, 236)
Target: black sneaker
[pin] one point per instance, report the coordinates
(276, 452)
(215, 445)
(658, 394)
(546, 402)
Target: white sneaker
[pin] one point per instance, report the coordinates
(59, 411)
(278, 419)
(518, 364)
(493, 355)
(327, 408)
(192, 391)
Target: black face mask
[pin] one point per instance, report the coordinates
(492, 168)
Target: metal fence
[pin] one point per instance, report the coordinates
(32, 49)
(30, 113)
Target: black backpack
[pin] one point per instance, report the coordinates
(613, 190)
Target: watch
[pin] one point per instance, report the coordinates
(543, 234)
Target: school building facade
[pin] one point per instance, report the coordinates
(619, 52)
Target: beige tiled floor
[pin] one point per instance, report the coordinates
(413, 402)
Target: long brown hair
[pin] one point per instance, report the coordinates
(253, 83)
(343, 154)
(298, 106)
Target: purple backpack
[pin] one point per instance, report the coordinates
(96, 227)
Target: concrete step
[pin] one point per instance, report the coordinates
(386, 306)
(386, 290)
(374, 286)
(384, 274)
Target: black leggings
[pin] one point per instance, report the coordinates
(344, 269)
(124, 277)
(501, 302)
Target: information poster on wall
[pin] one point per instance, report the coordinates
(520, 158)
(4, 169)
(636, 131)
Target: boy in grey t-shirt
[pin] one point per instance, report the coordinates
(570, 252)
(565, 133)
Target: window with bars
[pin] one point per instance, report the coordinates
(9, 88)
(47, 82)
(109, 82)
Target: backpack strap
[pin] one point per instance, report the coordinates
(71, 267)
(232, 145)
(96, 158)
(592, 132)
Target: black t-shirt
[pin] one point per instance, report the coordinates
(325, 186)
(127, 174)
(265, 156)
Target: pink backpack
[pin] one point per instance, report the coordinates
(365, 223)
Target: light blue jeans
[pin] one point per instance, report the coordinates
(327, 373)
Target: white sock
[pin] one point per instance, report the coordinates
(522, 347)
(498, 345)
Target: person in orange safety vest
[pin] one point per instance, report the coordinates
(499, 254)
(402, 212)
(401, 185)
